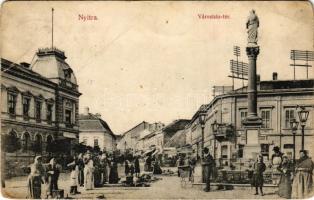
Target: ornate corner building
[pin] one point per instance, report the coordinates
(40, 103)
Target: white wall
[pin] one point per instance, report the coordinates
(104, 140)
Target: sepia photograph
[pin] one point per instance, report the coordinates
(157, 99)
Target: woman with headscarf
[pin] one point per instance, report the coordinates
(89, 175)
(35, 178)
(52, 176)
(302, 186)
(285, 182)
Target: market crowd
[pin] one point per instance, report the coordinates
(293, 178)
(87, 170)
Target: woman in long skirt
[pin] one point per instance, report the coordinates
(35, 178)
(89, 175)
(285, 183)
(302, 186)
(113, 175)
(137, 168)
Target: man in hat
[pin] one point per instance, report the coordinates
(208, 162)
(303, 181)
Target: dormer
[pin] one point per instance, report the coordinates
(50, 63)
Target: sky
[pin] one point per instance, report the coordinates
(155, 61)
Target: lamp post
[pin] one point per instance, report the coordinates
(303, 115)
(214, 129)
(202, 116)
(294, 127)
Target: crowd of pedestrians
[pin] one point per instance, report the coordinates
(293, 178)
(95, 169)
(88, 170)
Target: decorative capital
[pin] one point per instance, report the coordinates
(252, 52)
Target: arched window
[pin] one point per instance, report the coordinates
(11, 142)
(49, 147)
(37, 147)
(26, 141)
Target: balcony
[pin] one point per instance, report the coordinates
(224, 132)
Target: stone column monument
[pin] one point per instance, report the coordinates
(252, 123)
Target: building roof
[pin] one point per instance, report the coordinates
(176, 125)
(94, 123)
(177, 140)
(24, 72)
(126, 132)
(50, 62)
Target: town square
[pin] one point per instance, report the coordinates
(157, 100)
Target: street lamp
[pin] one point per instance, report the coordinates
(303, 115)
(202, 118)
(214, 129)
(294, 127)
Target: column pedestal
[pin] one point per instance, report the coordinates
(252, 123)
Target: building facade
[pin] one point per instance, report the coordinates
(131, 138)
(95, 132)
(40, 103)
(278, 103)
(170, 134)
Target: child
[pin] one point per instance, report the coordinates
(74, 179)
(258, 180)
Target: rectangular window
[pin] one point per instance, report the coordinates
(240, 151)
(95, 142)
(11, 103)
(224, 151)
(26, 105)
(38, 111)
(289, 115)
(49, 112)
(266, 118)
(265, 150)
(68, 115)
(243, 115)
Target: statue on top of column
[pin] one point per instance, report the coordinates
(252, 24)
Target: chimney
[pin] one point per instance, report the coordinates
(86, 110)
(258, 78)
(24, 64)
(275, 76)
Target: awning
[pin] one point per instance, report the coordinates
(148, 152)
(155, 152)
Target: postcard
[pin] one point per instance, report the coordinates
(157, 99)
